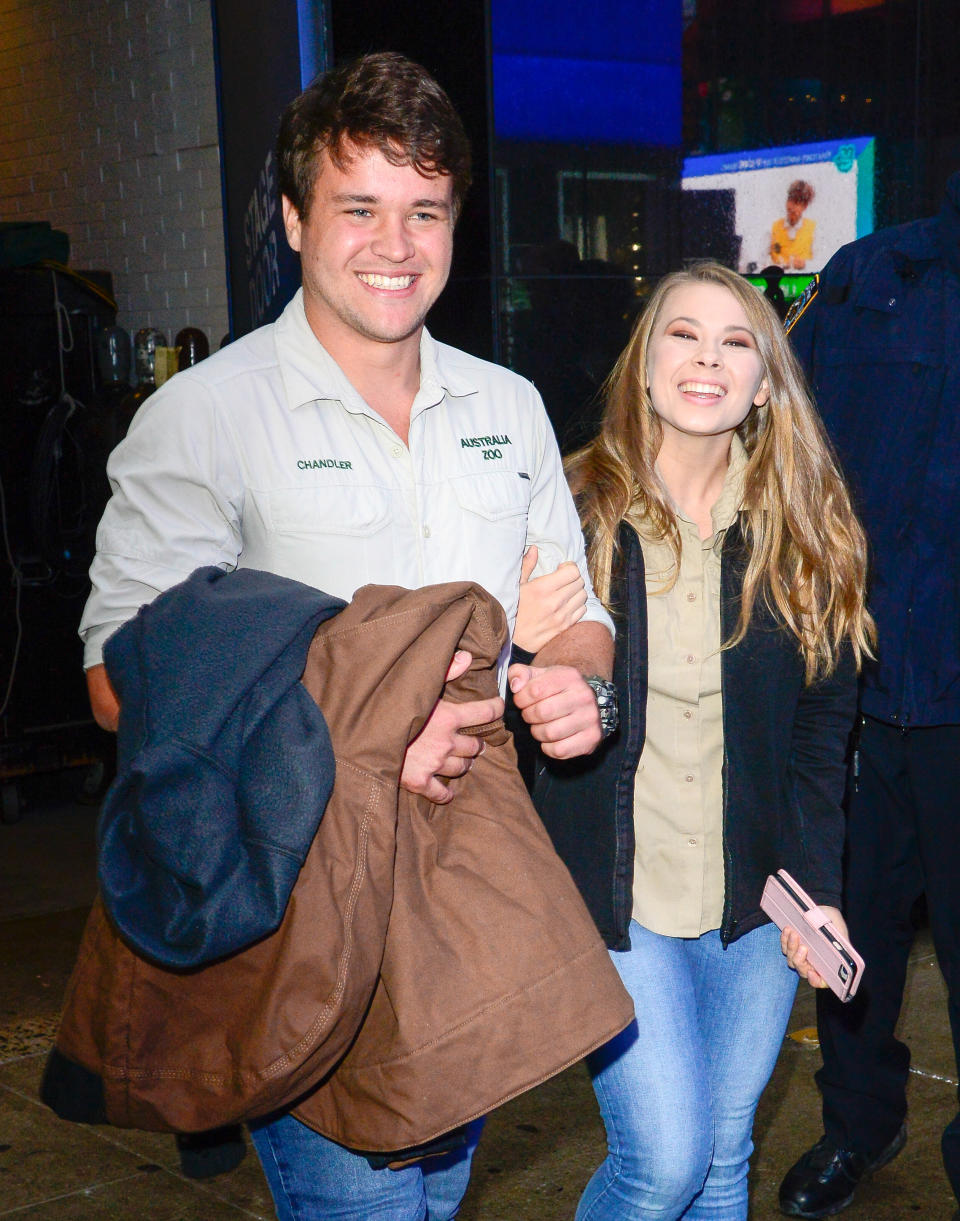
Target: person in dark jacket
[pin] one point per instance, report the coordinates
(722, 538)
(880, 338)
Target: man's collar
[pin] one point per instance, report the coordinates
(310, 373)
(442, 366)
(308, 370)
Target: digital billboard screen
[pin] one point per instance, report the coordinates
(793, 206)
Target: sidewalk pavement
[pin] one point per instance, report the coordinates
(537, 1152)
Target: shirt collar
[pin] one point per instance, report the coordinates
(309, 373)
(728, 504)
(726, 507)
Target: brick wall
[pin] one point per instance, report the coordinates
(108, 129)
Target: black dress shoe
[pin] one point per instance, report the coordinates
(824, 1180)
(206, 1154)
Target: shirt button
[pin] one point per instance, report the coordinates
(426, 531)
(690, 658)
(396, 450)
(687, 714)
(692, 842)
(689, 779)
(892, 302)
(691, 597)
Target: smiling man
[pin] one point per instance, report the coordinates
(342, 445)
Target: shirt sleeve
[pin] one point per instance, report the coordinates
(552, 521)
(176, 504)
(825, 715)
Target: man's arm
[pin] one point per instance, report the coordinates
(103, 699)
(552, 696)
(177, 500)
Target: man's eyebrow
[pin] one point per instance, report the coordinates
(348, 198)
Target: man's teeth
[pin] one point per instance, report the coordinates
(394, 282)
(702, 388)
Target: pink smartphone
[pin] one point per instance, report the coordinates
(788, 904)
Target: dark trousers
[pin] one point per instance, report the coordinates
(903, 839)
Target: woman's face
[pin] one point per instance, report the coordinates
(704, 371)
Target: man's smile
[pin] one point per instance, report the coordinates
(378, 280)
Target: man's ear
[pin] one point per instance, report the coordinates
(291, 222)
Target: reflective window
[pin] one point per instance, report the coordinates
(659, 131)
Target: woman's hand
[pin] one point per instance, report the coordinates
(796, 951)
(548, 604)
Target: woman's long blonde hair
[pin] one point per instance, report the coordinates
(807, 550)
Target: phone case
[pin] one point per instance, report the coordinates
(788, 904)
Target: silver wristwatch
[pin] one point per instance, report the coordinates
(607, 702)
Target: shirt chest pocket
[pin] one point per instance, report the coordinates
(497, 499)
(347, 512)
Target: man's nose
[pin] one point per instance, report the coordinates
(392, 240)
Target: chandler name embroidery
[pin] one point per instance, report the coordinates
(319, 464)
(489, 445)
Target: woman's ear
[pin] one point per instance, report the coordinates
(763, 394)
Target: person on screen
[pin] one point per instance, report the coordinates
(791, 238)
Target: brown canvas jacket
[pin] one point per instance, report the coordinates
(433, 961)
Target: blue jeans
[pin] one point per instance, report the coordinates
(313, 1179)
(679, 1087)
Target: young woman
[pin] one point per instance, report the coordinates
(721, 535)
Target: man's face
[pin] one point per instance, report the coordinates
(795, 210)
(375, 248)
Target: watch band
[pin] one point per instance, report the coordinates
(607, 702)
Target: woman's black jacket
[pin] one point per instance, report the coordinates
(783, 763)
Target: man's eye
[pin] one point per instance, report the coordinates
(424, 216)
(360, 212)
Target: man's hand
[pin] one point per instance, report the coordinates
(548, 604)
(796, 951)
(439, 749)
(559, 707)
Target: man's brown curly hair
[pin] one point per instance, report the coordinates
(384, 101)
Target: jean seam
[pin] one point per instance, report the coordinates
(613, 1160)
(281, 1166)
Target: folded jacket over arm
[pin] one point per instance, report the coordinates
(431, 962)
